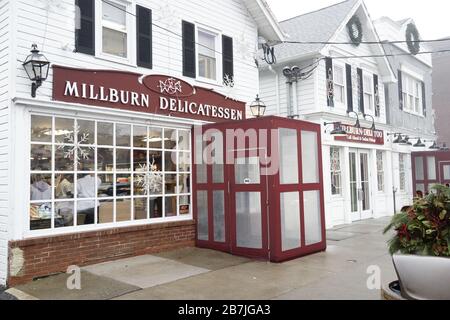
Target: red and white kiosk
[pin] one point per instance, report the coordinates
(258, 188)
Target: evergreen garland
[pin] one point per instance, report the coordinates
(355, 31)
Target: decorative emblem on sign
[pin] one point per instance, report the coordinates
(170, 86)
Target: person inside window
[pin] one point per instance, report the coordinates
(40, 189)
(86, 189)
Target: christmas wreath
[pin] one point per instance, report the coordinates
(413, 39)
(355, 31)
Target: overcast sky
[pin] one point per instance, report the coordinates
(431, 16)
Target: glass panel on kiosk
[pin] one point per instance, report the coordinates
(310, 157)
(219, 215)
(290, 221)
(247, 171)
(313, 223)
(288, 156)
(248, 220)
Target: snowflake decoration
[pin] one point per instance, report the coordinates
(228, 83)
(149, 180)
(171, 86)
(53, 5)
(77, 151)
(167, 16)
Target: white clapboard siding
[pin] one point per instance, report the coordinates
(54, 29)
(4, 135)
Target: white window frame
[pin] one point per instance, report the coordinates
(409, 83)
(368, 93)
(342, 86)
(131, 32)
(218, 48)
(336, 173)
(98, 227)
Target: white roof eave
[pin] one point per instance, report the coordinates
(265, 19)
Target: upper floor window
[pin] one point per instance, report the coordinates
(368, 92)
(412, 94)
(114, 29)
(207, 59)
(339, 84)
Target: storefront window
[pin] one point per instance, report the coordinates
(380, 171)
(431, 165)
(86, 172)
(335, 169)
(419, 168)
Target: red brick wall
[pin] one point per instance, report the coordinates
(45, 256)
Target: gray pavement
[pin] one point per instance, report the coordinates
(192, 273)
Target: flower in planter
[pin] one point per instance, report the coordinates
(423, 228)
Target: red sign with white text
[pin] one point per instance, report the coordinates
(362, 135)
(154, 94)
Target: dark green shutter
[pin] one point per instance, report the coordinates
(227, 57)
(424, 99)
(330, 83)
(376, 94)
(348, 71)
(144, 46)
(189, 59)
(400, 90)
(85, 35)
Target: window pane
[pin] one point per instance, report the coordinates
(447, 172)
(85, 212)
(184, 161)
(139, 160)
(431, 164)
(40, 216)
(123, 186)
(123, 160)
(41, 157)
(310, 157)
(290, 221)
(171, 207)
(140, 137)
(247, 171)
(202, 215)
(41, 129)
(288, 156)
(64, 184)
(313, 224)
(64, 130)
(105, 187)
(185, 205)
(419, 168)
(219, 215)
(184, 140)
(156, 207)
(155, 182)
(170, 161)
(170, 139)
(115, 42)
(207, 44)
(105, 160)
(106, 211)
(155, 138)
(105, 134)
(86, 132)
(114, 12)
(123, 135)
(184, 183)
(86, 159)
(155, 158)
(171, 183)
(64, 214)
(41, 187)
(248, 220)
(64, 160)
(140, 208)
(123, 210)
(87, 186)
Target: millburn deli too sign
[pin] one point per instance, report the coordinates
(155, 94)
(362, 135)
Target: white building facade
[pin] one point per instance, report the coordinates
(87, 127)
(329, 76)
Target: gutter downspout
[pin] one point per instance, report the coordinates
(277, 89)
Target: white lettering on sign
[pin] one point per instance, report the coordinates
(183, 106)
(112, 95)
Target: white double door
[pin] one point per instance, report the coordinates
(360, 191)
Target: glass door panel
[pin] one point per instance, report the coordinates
(248, 220)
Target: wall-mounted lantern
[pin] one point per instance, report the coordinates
(36, 65)
(338, 131)
(258, 108)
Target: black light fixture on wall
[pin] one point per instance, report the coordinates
(338, 131)
(36, 65)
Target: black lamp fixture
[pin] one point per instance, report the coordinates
(444, 147)
(398, 139)
(338, 131)
(406, 141)
(373, 127)
(434, 146)
(358, 123)
(36, 65)
(258, 108)
(419, 144)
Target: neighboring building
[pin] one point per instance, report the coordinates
(441, 93)
(429, 169)
(72, 188)
(338, 79)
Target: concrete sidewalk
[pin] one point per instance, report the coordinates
(192, 273)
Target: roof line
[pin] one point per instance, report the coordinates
(307, 13)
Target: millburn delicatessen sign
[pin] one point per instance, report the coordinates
(154, 94)
(362, 135)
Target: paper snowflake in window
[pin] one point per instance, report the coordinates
(53, 5)
(170, 86)
(75, 150)
(149, 180)
(245, 49)
(167, 16)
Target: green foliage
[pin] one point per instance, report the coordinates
(423, 228)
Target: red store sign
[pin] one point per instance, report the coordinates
(154, 94)
(362, 135)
